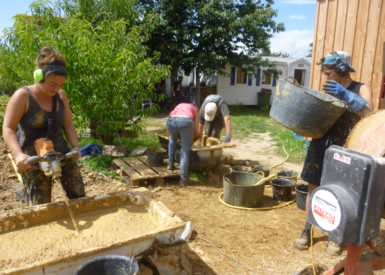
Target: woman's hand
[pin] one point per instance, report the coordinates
(76, 149)
(21, 162)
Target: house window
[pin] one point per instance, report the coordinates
(266, 77)
(241, 77)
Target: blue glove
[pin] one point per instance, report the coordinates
(355, 102)
(227, 138)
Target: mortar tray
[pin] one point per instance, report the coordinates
(42, 240)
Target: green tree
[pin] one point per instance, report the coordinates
(208, 34)
(201, 34)
(309, 54)
(110, 73)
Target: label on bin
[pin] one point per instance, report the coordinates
(326, 210)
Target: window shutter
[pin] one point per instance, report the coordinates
(274, 81)
(249, 79)
(232, 77)
(258, 77)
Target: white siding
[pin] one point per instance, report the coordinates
(238, 94)
(243, 94)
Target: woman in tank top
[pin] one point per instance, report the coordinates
(358, 97)
(29, 109)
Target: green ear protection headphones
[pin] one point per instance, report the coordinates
(38, 75)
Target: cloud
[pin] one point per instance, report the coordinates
(295, 42)
(298, 2)
(297, 17)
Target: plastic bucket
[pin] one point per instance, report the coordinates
(155, 156)
(290, 174)
(282, 189)
(301, 194)
(240, 189)
(262, 169)
(306, 112)
(109, 264)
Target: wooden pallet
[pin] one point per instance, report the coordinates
(136, 170)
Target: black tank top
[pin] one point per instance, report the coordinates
(341, 129)
(33, 125)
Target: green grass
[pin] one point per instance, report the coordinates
(247, 120)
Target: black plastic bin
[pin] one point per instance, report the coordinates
(109, 264)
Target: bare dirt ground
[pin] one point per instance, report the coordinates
(226, 240)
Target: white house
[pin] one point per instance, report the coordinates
(239, 88)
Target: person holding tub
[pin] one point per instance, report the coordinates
(336, 68)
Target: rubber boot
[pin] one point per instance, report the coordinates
(333, 248)
(303, 241)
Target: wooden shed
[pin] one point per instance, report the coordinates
(357, 27)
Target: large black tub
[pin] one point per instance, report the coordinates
(240, 189)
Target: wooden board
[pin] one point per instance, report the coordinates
(136, 170)
(357, 27)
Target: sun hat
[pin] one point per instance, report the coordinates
(210, 111)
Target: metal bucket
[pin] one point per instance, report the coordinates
(240, 189)
(306, 112)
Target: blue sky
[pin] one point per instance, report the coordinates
(297, 15)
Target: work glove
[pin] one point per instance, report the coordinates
(227, 138)
(355, 102)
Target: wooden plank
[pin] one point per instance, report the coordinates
(161, 170)
(379, 60)
(340, 25)
(331, 27)
(144, 170)
(320, 41)
(131, 172)
(371, 39)
(360, 38)
(351, 21)
(313, 53)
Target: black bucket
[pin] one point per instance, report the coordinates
(290, 174)
(240, 189)
(109, 264)
(301, 194)
(282, 189)
(262, 169)
(306, 112)
(155, 156)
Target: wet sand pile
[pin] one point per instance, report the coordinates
(58, 240)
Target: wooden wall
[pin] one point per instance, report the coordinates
(357, 27)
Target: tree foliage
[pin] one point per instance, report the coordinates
(203, 34)
(207, 34)
(110, 73)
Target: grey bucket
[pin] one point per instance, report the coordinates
(109, 264)
(240, 189)
(307, 112)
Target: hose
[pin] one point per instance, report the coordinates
(254, 209)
